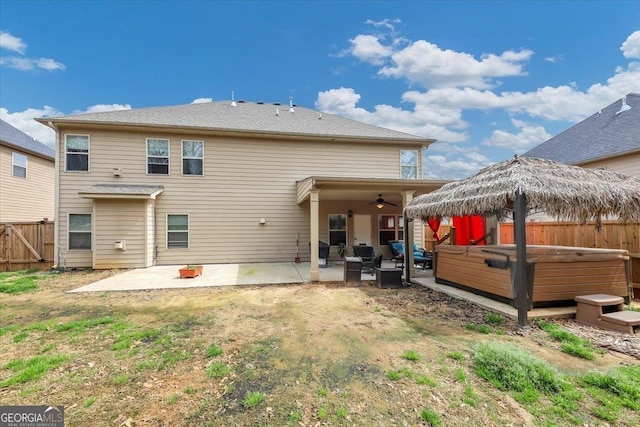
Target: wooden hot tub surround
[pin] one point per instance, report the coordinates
(560, 273)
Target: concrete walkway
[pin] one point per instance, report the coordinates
(168, 277)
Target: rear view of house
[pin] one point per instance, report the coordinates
(27, 177)
(228, 182)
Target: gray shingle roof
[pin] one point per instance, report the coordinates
(244, 117)
(19, 139)
(605, 134)
(122, 190)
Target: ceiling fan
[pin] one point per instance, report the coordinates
(380, 202)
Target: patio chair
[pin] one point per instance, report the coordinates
(375, 263)
(420, 255)
(366, 254)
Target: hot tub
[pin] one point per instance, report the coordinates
(560, 273)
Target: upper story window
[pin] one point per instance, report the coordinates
(192, 157)
(408, 164)
(19, 165)
(77, 153)
(157, 156)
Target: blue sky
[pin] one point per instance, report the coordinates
(486, 79)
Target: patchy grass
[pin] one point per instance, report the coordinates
(32, 369)
(19, 282)
(570, 343)
(293, 355)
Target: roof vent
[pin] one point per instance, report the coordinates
(259, 102)
(320, 116)
(277, 111)
(233, 99)
(624, 106)
(241, 101)
(291, 110)
(276, 103)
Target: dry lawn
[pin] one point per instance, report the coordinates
(320, 354)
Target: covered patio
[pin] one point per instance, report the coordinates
(357, 197)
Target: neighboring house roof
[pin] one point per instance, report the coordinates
(245, 117)
(18, 139)
(608, 133)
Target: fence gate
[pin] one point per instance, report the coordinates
(26, 245)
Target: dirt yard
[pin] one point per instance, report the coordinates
(317, 354)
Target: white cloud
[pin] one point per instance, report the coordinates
(24, 120)
(7, 41)
(101, 108)
(368, 48)
(425, 63)
(527, 137)
(631, 47)
(457, 83)
(201, 100)
(49, 64)
(28, 64)
(554, 59)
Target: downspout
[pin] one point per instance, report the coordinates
(56, 202)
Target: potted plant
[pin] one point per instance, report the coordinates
(190, 271)
(342, 249)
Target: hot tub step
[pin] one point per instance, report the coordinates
(622, 321)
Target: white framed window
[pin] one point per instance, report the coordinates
(408, 164)
(79, 232)
(77, 153)
(390, 227)
(18, 165)
(157, 156)
(192, 157)
(177, 231)
(337, 229)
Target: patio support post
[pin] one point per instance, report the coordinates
(409, 237)
(519, 227)
(408, 254)
(314, 207)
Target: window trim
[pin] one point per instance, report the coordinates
(182, 231)
(329, 229)
(416, 166)
(66, 153)
(183, 158)
(14, 164)
(168, 156)
(397, 228)
(69, 231)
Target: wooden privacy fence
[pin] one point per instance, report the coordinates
(26, 245)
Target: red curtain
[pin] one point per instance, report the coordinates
(434, 225)
(469, 228)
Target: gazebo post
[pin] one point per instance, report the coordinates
(521, 282)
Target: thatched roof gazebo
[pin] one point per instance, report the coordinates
(523, 184)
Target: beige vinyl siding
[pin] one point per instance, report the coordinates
(244, 180)
(26, 199)
(628, 164)
(119, 220)
(150, 234)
